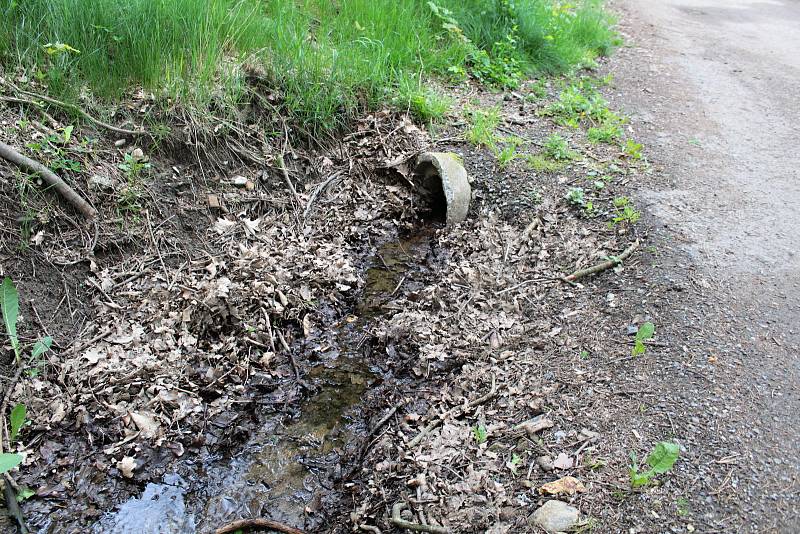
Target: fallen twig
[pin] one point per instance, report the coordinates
(398, 521)
(267, 524)
(318, 191)
(613, 261)
(436, 422)
(282, 165)
(291, 355)
(9, 154)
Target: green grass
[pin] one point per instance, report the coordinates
(551, 36)
(323, 61)
(541, 163)
(481, 124)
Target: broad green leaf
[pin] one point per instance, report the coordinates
(41, 346)
(17, 420)
(24, 494)
(68, 133)
(639, 479)
(59, 48)
(9, 461)
(9, 306)
(663, 457)
(646, 331)
(638, 348)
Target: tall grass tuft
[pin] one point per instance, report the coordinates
(327, 59)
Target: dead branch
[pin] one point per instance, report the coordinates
(398, 521)
(267, 524)
(9, 154)
(613, 261)
(439, 420)
(76, 109)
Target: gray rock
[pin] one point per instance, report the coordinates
(453, 182)
(555, 516)
(99, 181)
(239, 181)
(545, 463)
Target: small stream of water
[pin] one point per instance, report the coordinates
(273, 474)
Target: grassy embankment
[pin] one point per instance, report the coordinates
(325, 60)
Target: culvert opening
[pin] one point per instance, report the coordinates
(429, 182)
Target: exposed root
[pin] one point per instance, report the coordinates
(12, 506)
(9, 154)
(71, 107)
(600, 267)
(266, 524)
(398, 521)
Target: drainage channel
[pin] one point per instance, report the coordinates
(283, 469)
(292, 461)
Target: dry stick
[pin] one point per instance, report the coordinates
(436, 422)
(282, 165)
(319, 190)
(9, 154)
(266, 524)
(600, 267)
(398, 521)
(83, 114)
(291, 355)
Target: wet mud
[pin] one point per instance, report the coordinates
(299, 451)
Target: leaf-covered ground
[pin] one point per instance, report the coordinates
(201, 325)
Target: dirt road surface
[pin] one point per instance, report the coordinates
(713, 90)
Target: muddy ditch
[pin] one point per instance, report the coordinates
(245, 360)
(303, 446)
(221, 364)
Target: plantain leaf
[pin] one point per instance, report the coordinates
(9, 306)
(9, 461)
(17, 420)
(41, 346)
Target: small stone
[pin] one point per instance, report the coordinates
(537, 424)
(137, 154)
(119, 143)
(545, 463)
(99, 181)
(555, 516)
(213, 202)
(239, 181)
(249, 185)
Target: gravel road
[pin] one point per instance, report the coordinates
(713, 90)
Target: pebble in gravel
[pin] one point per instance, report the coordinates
(555, 516)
